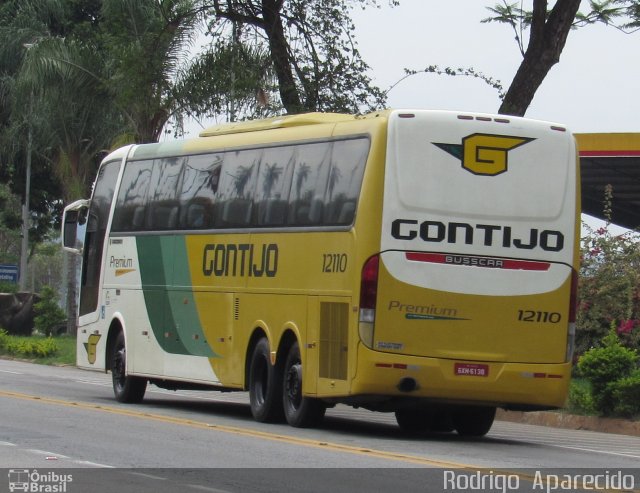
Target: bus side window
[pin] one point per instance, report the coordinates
(345, 180)
(163, 215)
(162, 205)
(306, 201)
(271, 201)
(199, 189)
(130, 211)
(234, 200)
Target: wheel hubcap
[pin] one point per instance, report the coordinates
(294, 385)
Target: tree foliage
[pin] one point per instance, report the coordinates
(312, 49)
(548, 29)
(609, 289)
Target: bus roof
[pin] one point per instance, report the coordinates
(276, 122)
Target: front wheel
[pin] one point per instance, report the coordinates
(299, 411)
(125, 388)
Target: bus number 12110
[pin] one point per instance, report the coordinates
(535, 316)
(334, 262)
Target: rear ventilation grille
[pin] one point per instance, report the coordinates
(236, 308)
(334, 324)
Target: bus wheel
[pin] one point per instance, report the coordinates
(417, 421)
(473, 421)
(125, 388)
(300, 411)
(265, 385)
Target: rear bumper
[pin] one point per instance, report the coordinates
(511, 385)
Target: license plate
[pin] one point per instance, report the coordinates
(471, 370)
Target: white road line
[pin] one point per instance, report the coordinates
(205, 488)
(47, 454)
(148, 476)
(91, 464)
(12, 372)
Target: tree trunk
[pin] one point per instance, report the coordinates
(279, 49)
(548, 37)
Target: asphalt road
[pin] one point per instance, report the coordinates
(65, 419)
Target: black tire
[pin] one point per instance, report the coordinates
(416, 421)
(473, 421)
(125, 388)
(265, 385)
(299, 411)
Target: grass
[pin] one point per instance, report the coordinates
(58, 351)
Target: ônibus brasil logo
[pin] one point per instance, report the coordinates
(33, 481)
(484, 154)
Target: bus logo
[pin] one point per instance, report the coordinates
(484, 154)
(90, 347)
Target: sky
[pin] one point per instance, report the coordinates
(594, 87)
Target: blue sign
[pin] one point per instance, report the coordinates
(8, 273)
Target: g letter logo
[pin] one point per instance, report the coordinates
(484, 154)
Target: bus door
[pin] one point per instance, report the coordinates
(93, 223)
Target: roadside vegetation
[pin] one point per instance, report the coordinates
(46, 350)
(607, 371)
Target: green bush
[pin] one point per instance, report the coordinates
(8, 287)
(603, 367)
(580, 398)
(27, 347)
(626, 395)
(49, 316)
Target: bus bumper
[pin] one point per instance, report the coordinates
(510, 385)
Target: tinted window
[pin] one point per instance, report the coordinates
(311, 171)
(162, 205)
(236, 189)
(345, 179)
(201, 177)
(271, 202)
(314, 184)
(130, 210)
(94, 237)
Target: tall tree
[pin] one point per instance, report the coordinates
(148, 44)
(312, 48)
(548, 31)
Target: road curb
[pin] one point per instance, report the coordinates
(572, 422)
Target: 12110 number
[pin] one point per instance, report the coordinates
(334, 262)
(542, 317)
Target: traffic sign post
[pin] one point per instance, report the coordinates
(8, 273)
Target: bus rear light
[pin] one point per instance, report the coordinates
(571, 329)
(573, 297)
(369, 289)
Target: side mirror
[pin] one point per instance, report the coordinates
(75, 215)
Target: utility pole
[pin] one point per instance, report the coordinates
(24, 247)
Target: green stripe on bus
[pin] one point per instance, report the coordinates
(183, 304)
(154, 254)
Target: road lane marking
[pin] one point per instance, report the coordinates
(319, 444)
(247, 432)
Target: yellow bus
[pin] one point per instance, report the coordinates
(417, 262)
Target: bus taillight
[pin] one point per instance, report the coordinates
(571, 330)
(369, 289)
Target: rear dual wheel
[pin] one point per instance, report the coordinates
(299, 411)
(469, 421)
(265, 385)
(275, 391)
(473, 421)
